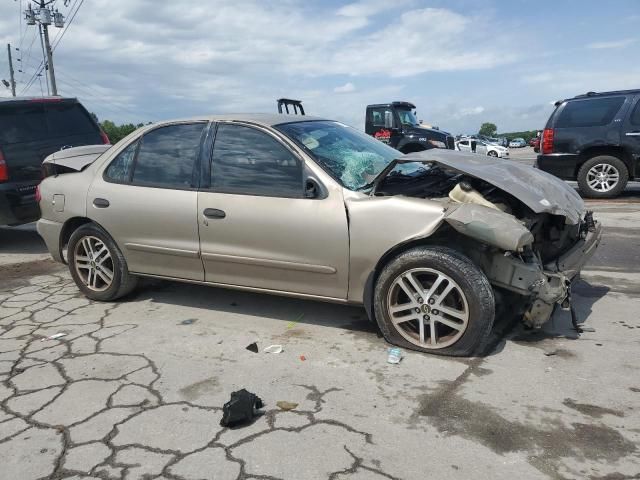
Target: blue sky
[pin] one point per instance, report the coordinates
(461, 62)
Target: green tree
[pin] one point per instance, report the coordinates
(118, 132)
(488, 129)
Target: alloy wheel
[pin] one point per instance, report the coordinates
(93, 263)
(603, 177)
(428, 308)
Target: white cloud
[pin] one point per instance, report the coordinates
(346, 88)
(613, 44)
(369, 7)
(464, 112)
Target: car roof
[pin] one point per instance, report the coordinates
(399, 104)
(8, 100)
(600, 94)
(264, 119)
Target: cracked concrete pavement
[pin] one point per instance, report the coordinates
(132, 392)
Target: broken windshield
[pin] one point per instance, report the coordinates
(351, 157)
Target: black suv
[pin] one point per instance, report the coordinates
(30, 130)
(594, 139)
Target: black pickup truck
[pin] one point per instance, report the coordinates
(396, 125)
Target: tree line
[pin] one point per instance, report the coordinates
(116, 132)
(491, 130)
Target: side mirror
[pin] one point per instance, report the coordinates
(388, 119)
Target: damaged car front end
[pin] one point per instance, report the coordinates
(529, 232)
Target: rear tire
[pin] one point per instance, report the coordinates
(463, 299)
(604, 176)
(97, 264)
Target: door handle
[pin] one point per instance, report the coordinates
(100, 203)
(214, 213)
(632, 134)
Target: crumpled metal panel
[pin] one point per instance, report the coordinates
(540, 191)
(489, 225)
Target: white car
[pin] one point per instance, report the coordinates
(517, 143)
(480, 146)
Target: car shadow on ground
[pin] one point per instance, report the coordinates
(21, 240)
(584, 296)
(275, 307)
(347, 317)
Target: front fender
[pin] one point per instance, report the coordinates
(378, 224)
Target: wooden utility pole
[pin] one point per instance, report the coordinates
(12, 80)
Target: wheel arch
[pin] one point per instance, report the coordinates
(445, 236)
(70, 226)
(615, 151)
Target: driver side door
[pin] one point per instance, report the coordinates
(257, 227)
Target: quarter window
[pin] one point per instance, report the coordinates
(120, 168)
(249, 162)
(635, 116)
(167, 156)
(594, 112)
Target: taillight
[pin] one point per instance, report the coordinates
(547, 141)
(4, 171)
(105, 138)
(38, 194)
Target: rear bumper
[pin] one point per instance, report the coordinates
(50, 233)
(561, 165)
(18, 203)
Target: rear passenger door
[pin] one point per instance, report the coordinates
(146, 198)
(257, 228)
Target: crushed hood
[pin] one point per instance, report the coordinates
(78, 157)
(538, 190)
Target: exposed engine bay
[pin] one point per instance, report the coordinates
(521, 251)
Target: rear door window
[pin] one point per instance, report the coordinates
(22, 124)
(66, 119)
(593, 112)
(167, 156)
(247, 161)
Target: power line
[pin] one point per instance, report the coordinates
(61, 33)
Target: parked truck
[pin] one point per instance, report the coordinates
(396, 125)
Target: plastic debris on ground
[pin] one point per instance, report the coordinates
(188, 321)
(273, 349)
(292, 324)
(253, 347)
(303, 358)
(54, 336)
(241, 408)
(394, 355)
(286, 406)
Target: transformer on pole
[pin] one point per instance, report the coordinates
(44, 15)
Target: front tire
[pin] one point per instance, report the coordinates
(603, 176)
(492, 153)
(97, 264)
(435, 300)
